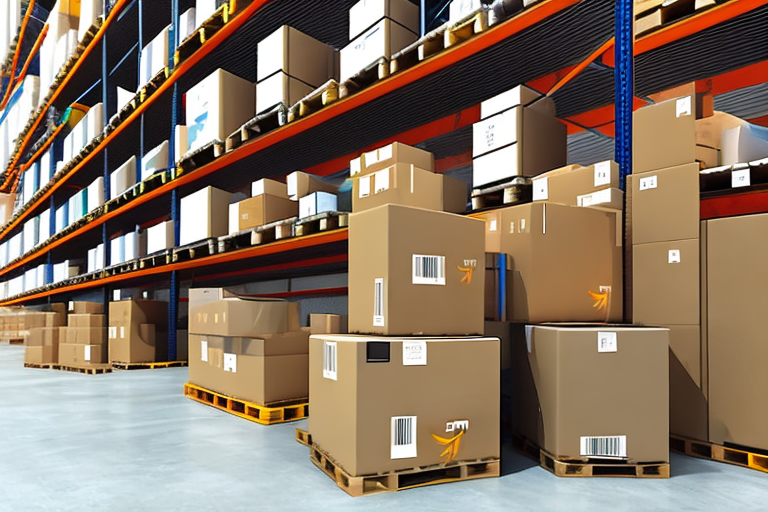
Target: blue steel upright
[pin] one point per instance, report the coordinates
(625, 86)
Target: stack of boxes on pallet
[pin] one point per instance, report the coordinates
(83, 342)
(42, 334)
(138, 332)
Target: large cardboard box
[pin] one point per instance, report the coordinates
(366, 13)
(327, 324)
(603, 391)
(564, 185)
(415, 272)
(267, 186)
(389, 155)
(138, 331)
(737, 279)
(204, 214)
(566, 262)
(160, 237)
(665, 204)
(42, 345)
(664, 135)
(40, 354)
(408, 185)
(263, 209)
(666, 283)
(296, 55)
(80, 355)
(383, 39)
(217, 106)
(85, 320)
(379, 404)
(260, 370)
(317, 203)
(688, 409)
(243, 317)
(81, 308)
(83, 335)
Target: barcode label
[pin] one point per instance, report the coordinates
(122, 332)
(204, 350)
(378, 302)
(740, 178)
(602, 174)
(381, 181)
(541, 189)
(329, 360)
(230, 363)
(365, 186)
(113, 332)
(648, 183)
(683, 106)
(428, 269)
(87, 355)
(403, 437)
(606, 446)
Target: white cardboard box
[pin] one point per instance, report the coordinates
(160, 237)
(90, 10)
(382, 40)
(744, 144)
(520, 95)
(117, 250)
(123, 178)
(180, 141)
(154, 57)
(317, 202)
(155, 160)
(204, 214)
(135, 245)
(187, 24)
(366, 13)
(44, 226)
(95, 194)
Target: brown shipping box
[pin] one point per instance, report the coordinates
(242, 316)
(737, 279)
(415, 272)
(566, 262)
(256, 370)
(378, 403)
(665, 205)
(688, 411)
(265, 208)
(85, 320)
(327, 324)
(666, 283)
(387, 156)
(138, 331)
(566, 184)
(81, 308)
(83, 335)
(79, 355)
(587, 383)
(31, 319)
(296, 54)
(407, 185)
(41, 354)
(664, 135)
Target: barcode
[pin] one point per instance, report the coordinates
(378, 302)
(606, 446)
(403, 437)
(428, 269)
(329, 360)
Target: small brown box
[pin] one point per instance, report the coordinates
(85, 320)
(263, 209)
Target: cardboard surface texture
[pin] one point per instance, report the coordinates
(297, 55)
(366, 13)
(664, 135)
(240, 316)
(387, 156)
(204, 214)
(138, 331)
(382, 40)
(300, 184)
(327, 324)
(263, 209)
(80, 355)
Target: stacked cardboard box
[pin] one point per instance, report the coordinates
(138, 331)
(82, 342)
(42, 342)
(269, 202)
(204, 214)
(250, 349)
(314, 195)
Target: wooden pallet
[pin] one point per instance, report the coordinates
(199, 158)
(274, 231)
(89, 370)
(357, 486)
(324, 95)
(156, 180)
(745, 457)
(157, 259)
(735, 178)
(196, 250)
(269, 414)
(516, 191)
(16, 342)
(154, 84)
(450, 35)
(41, 366)
(235, 241)
(325, 221)
(147, 366)
(368, 76)
(204, 32)
(259, 125)
(585, 467)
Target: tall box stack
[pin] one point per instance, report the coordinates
(415, 313)
(249, 349)
(138, 331)
(666, 252)
(290, 65)
(82, 343)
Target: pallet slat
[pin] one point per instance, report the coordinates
(90, 370)
(585, 467)
(268, 414)
(711, 451)
(147, 366)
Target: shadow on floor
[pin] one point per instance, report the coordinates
(682, 465)
(513, 461)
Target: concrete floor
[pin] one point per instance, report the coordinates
(131, 441)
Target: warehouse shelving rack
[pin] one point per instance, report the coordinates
(585, 47)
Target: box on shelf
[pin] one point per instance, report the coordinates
(135, 245)
(382, 40)
(566, 184)
(280, 88)
(241, 316)
(117, 250)
(138, 331)
(263, 209)
(389, 155)
(609, 198)
(317, 202)
(6, 207)
(95, 194)
(160, 237)
(327, 324)
(744, 144)
(394, 427)
(414, 272)
(155, 160)
(664, 135)
(300, 184)
(367, 13)
(204, 214)
(187, 24)
(268, 186)
(296, 55)
(204, 9)
(709, 130)
(90, 10)
(154, 56)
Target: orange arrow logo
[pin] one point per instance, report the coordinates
(601, 299)
(452, 446)
(467, 274)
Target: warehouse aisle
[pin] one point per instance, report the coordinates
(131, 441)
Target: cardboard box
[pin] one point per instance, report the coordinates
(81, 308)
(383, 39)
(365, 426)
(154, 57)
(280, 88)
(520, 95)
(217, 106)
(587, 383)
(709, 130)
(263, 209)
(243, 316)
(296, 55)
(609, 198)
(688, 408)
(415, 272)
(408, 185)
(79, 355)
(327, 324)
(155, 160)
(666, 283)
(546, 285)
(259, 370)
(83, 335)
(392, 154)
(267, 186)
(737, 278)
(204, 214)
(40, 354)
(317, 202)
(86, 320)
(459, 9)
(300, 184)
(43, 337)
(665, 205)
(160, 237)
(744, 144)
(366, 13)
(564, 185)
(138, 331)
(664, 135)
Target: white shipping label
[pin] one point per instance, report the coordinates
(674, 256)
(740, 178)
(603, 196)
(541, 189)
(381, 181)
(113, 332)
(607, 342)
(354, 166)
(648, 183)
(492, 225)
(365, 186)
(204, 351)
(71, 306)
(230, 363)
(414, 353)
(403, 437)
(684, 106)
(428, 269)
(115, 295)
(378, 302)
(385, 153)
(604, 446)
(602, 174)
(87, 355)
(329, 360)
(122, 332)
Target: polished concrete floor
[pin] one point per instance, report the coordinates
(131, 441)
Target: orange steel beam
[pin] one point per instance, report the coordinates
(582, 65)
(280, 246)
(16, 54)
(31, 55)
